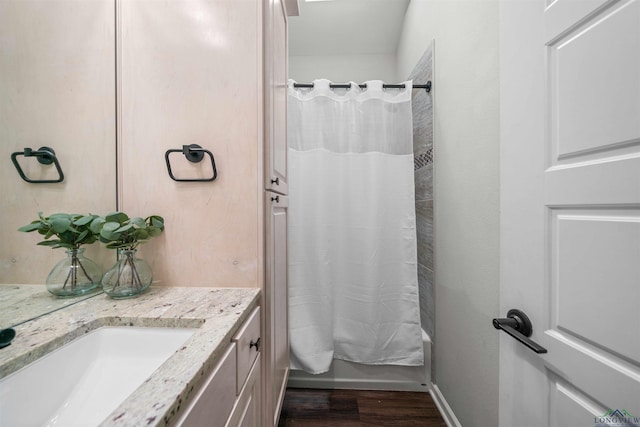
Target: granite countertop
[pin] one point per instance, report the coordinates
(216, 312)
(21, 303)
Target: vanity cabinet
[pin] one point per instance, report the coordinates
(230, 394)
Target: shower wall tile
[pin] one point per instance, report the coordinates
(422, 160)
(422, 108)
(423, 122)
(427, 300)
(424, 225)
(424, 183)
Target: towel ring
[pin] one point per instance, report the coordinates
(45, 156)
(194, 153)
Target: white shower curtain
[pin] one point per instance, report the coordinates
(353, 286)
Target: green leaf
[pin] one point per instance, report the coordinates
(139, 222)
(60, 224)
(65, 245)
(84, 220)
(35, 225)
(108, 231)
(67, 237)
(118, 245)
(157, 221)
(108, 236)
(124, 228)
(81, 236)
(59, 215)
(154, 231)
(110, 226)
(119, 217)
(96, 225)
(142, 234)
(49, 243)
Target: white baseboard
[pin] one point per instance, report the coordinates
(444, 408)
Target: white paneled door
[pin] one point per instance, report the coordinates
(570, 225)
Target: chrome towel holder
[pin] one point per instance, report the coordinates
(194, 153)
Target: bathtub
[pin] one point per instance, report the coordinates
(356, 376)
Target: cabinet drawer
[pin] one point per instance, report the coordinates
(213, 403)
(248, 344)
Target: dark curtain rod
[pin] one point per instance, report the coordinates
(426, 87)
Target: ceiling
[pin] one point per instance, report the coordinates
(340, 27)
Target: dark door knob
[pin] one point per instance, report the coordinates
(518, 325)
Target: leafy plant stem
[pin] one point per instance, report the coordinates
(73, 272)
(135, 277)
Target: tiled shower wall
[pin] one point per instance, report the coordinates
(422, 107)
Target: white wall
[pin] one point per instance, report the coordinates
(466, 185)
(343, 68)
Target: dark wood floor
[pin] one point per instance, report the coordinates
(357, 408)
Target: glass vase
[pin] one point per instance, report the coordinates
(74, 275)
(130, 276)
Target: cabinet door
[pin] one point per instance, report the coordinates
(276, 97)
(247, 410)
(215, 400)
(277, 302)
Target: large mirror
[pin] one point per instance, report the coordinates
(57, 90)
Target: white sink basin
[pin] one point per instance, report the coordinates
(81, 383)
